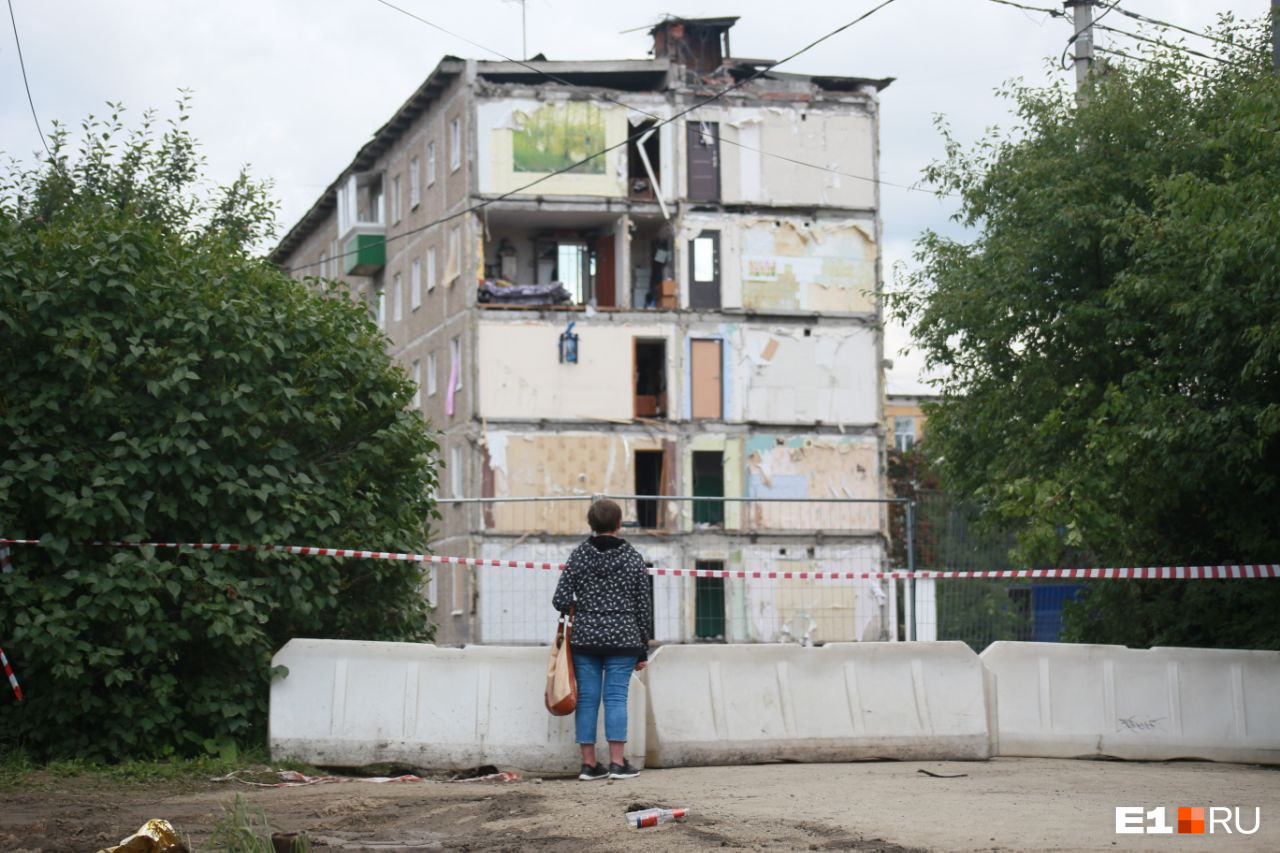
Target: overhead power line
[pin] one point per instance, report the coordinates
(1146, 60)
(1170, 45)
(1166, 24)
(1057, 13)
(23, 65)
(631, 138)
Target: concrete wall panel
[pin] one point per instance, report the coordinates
(800, 265)
(352, 703)
(523, 377)
(813, 467)
(842, 702)
(828, 376)
(1059, 700)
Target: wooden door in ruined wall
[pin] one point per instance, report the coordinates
(703, 140)
(707, 371)
(606, 280)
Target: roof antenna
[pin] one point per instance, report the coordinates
(524, 28)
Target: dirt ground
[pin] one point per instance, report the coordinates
(1003, 804)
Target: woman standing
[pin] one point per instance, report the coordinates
(606, 585)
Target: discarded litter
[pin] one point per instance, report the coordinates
(504, 776)
(653, 817)
(155, 836)
(293, 779)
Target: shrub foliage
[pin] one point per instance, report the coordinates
(1112, 333)
(164, 384)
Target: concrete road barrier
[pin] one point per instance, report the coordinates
(743, 704)
(352, 703)
(1060, 700)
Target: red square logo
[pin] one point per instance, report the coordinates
(1191, 819)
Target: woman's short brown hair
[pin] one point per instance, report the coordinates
(605, 516)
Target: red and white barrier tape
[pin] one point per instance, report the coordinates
(13, 679)
(1224, 572)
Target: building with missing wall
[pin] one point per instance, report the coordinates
(694, 312)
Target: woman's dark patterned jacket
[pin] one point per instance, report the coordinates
(606, 583)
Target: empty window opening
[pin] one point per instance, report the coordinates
(571, 266)
(706, 367)
(651, 378)
(708, 482)
(648, 482)
(708, 597)
(643, 145)
(652, 271)
(571, 262)
(704, 270)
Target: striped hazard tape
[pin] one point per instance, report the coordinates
(13, 679)
(1222, 572)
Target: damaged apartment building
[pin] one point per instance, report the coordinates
(694, 311)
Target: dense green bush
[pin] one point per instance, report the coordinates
(1111, 335)
(161, 383)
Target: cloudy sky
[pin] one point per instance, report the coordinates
(293, 87)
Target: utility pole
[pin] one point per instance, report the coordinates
(1275, 34)
(1082, 21)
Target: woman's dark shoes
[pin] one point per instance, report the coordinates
(591, 772)
(622, 771)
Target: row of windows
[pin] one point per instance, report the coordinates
(415, 171)
(455, 373)
(452, 269)
(415, 290)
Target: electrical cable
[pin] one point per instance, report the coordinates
(714, 97)
(1056, 13)
(1157, 22)
(1171, 46)
(1062, 60)
(1116, 6)
(23, 65)
(1148, 61)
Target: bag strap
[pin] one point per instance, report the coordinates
(564, 627)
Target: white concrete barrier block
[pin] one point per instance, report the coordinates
(1063, 700)
(742, 704)
(351, 703)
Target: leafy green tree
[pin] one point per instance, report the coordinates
(1111, 334)
(164, 384)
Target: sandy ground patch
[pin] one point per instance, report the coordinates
(1003, 804)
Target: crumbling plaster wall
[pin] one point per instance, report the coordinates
(789, 263)
(837, 138)
(779, 374)
(560, 464)
(522, 376)
(790, 374)
(780, 466)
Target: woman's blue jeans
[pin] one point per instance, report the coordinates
(606, 676)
